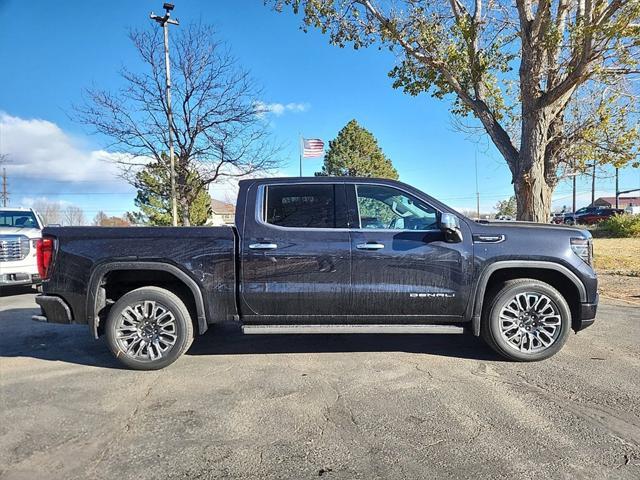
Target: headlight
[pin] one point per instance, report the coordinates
(583, 247)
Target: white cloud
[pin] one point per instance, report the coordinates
(40, 149)
(226, 189)
(34, 201)
(279, 109)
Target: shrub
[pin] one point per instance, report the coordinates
(622, 225)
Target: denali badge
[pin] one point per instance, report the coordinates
(432, 295)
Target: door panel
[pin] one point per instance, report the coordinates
(410, 272)
(288, 270)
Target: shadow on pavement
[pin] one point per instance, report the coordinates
(22, 337)
(227, 339)
(16, 290)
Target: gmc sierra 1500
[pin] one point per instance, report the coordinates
(322, 255)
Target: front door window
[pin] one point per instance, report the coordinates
(386, 208)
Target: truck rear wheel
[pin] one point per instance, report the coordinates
(526, 320)
(149, 328)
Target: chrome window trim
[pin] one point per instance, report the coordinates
(260, 205)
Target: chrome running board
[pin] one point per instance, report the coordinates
(331, 329)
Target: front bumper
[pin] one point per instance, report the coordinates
(53, 309)
(588, 314)
(18, 278)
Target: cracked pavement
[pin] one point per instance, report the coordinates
(350, 406)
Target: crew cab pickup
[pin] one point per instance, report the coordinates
(20, 229)
(322, 255)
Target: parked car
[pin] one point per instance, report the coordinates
(591, 215)
(559, 218)
(20, 228)
(632, 210)
(322, 255)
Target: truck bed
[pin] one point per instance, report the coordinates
(207, 255)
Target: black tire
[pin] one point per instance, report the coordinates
(501, 297)
(158, 300)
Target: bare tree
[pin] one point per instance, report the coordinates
(516, 67)
(50, 212)
(73, 216)
(100, 219)
(103, 220)
(218, 120)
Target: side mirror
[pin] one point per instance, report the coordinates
(450, 226)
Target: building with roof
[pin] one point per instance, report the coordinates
(610, 202)
(222, 213)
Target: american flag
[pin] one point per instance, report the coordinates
(312, 147)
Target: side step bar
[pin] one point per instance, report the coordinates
(331, 329)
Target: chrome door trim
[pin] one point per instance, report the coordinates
(263, 246)
(370, 246)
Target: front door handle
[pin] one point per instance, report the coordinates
(263, 246)
(370, 246)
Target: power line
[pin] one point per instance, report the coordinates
(74, 193)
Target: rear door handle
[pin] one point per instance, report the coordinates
(370, 246)
(263, 246)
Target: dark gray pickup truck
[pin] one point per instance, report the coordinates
(322, 255)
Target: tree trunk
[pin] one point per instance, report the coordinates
(183, 209)
(530, 182)
(184, 202)
(533, 196)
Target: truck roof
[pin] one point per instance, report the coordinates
(15, 209)
(246, 184)
(321, 179)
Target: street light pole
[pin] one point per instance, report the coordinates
(164, 22)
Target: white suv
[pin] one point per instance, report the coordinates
(20, 228)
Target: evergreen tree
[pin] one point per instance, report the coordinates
(355, 152)
(154, 196)
(507, 207)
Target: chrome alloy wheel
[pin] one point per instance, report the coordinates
(146, 330)
(530, 322)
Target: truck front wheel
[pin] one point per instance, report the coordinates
(149, 328)
(526, 320)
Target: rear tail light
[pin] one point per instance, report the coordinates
(44, 255)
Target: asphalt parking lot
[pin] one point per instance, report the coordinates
(318, 406)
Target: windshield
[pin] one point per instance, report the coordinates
(18, 219)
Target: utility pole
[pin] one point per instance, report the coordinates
(617, 189)
(574, 192)
(5, 193)
(477, 190)
(593, 184)
(164, 22)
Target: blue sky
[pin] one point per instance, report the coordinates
(46, 65)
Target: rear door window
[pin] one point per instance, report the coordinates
(300, 206)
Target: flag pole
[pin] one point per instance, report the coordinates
(300, 143)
